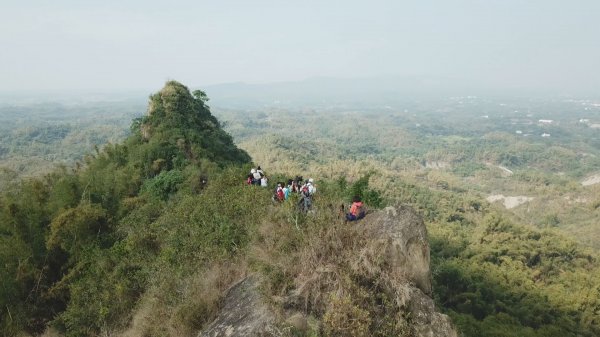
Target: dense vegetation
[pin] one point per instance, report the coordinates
(144, 236)
(73, 251)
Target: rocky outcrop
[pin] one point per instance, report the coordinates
(399, 237)
(427, 322)
(394, 249)
(244, 313)
(398, 243)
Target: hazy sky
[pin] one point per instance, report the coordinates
(531, 44)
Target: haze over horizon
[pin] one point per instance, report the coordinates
(533, 46)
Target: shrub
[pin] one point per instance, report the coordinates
(164, 184)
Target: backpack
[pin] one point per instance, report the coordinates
(305, 192)
(361, 211)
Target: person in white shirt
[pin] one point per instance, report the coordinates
(264, 182)
(312, 189)
(257, 176)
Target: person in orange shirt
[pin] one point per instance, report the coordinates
(357, 210)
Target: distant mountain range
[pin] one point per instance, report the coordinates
(315, 92)
(327, 90)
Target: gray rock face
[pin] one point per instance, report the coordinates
(398, 247)
(243, 313)
(400, 235)
(426, 321)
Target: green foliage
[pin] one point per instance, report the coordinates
(77, 227)
(467, 168)
(361, 188)
(65, 191)
(27, 267)
(509, 281)
(15, 274)
(164, 184)
(551, 220)
(103, 287)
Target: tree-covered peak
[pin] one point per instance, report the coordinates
(174, 106)
(179, 125)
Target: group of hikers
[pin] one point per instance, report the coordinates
(257, 177)
(306, 189)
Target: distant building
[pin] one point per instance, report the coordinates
(518, 132)
(546, 121)
(595, 126)
(584, 120)
(545, 135)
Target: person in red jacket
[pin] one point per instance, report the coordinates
(357, 210)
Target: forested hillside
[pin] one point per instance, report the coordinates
(144, 236)
(36, 137)
(76, 246)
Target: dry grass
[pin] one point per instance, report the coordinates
(183, 307)
(332, 271)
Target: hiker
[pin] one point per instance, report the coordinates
(264, 182)
(279, 194)
(249, 179)
(256, 176)
(295, 188)
(301, 184)
(287, 190)
(312, 189)
(357, 210)
(305, 202)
